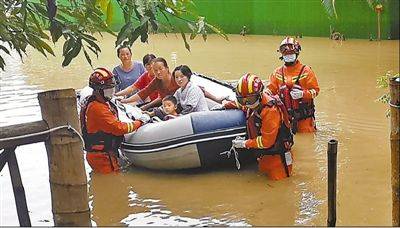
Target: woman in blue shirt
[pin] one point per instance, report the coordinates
(129, 71)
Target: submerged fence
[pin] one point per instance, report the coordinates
(67, 176)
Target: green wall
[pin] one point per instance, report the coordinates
(296, 17)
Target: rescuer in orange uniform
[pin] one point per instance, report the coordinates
(296, 85)
(268, 131)
(102, 131)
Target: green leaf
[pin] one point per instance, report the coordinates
(93, 50)
(55, 31)
(44, 45)
(134, 35)
(154, 25)
(93, 44)
(72, 54)
(123, 33)
(4, 49)
(68, 45)
(87, 57)
(330, 8)
(2, 63)
(110, 13)
(217, 30)
(187, 46)
(144, 34)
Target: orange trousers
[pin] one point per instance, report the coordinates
(306, 126)
(273, 166)
(103, 162)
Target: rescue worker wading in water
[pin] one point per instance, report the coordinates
(296, 85)
(101, 128)
(268, 127)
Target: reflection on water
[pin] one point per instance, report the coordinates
(346, 111)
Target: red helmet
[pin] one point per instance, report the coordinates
(249, 89)
(101, 78)
(289, 46)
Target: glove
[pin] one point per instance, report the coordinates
(296, 93)
(239, 142)
(144, 118)
(217, 107)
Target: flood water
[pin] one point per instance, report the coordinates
(346, 111)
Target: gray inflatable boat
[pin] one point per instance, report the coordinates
(195, 140)
(191, 141)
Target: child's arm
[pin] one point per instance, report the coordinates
(151, 114)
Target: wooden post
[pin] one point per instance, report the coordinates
(68, 183)
(379, 25)
(394, 145)
(332, 166)
(378, 10)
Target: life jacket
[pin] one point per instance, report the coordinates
(297, 109)
(99, 141)
(284, 139)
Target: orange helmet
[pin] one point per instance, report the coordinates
(289, 46)
(101, 78)
(249, 89)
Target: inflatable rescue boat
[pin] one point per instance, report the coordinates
(195, 140)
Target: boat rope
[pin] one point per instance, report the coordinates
(126, 162)
(235, 154)
(68, 127)
(393, 105)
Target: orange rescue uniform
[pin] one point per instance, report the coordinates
(289, 75)
(102, 118)
(265, 136)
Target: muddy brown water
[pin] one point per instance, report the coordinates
(346, 111)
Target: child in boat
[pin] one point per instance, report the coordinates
(169, 109)
(170, 106)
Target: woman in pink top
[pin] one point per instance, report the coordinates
(163, 83)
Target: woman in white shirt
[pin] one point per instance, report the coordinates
(190, 97)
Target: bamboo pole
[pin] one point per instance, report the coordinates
(67, 174)
(394, 144)
(332, 167)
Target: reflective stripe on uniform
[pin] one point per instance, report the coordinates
(130, 127)
(259, 142)
(279, 77)
(313, 93)
(294, 79)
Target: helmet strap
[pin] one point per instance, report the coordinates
(99, 93)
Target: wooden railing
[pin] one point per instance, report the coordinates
(67, 175)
